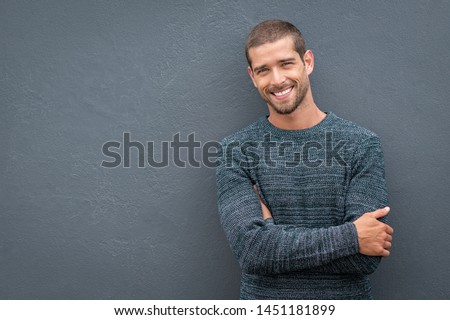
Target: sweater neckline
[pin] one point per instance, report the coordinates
(266, 125)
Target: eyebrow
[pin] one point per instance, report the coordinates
(286, 60)
(256, 69)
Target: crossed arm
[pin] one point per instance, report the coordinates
(374, 236)
(262, 247)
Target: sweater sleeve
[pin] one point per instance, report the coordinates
(366, 192)
(262, 247)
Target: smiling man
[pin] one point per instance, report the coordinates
(301, 192)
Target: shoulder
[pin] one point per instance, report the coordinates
(363, 145)
(351, 131)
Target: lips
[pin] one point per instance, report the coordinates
(282, 93)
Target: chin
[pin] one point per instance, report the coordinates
(283, 110)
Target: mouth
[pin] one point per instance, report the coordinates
(283, 93)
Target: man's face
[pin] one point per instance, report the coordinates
(279, 74)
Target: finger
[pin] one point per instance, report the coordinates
(380, 213)
(263, 206)
(386, 253)
(388, 237)
(265, 211)
(389, 230)
(387, 245)
(266, 214)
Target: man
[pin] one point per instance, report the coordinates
(311, 231)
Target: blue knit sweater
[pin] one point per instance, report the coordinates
(315, 182)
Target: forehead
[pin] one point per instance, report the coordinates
(272, 52)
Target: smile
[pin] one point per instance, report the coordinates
(281, 94)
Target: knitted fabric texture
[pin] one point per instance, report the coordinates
(315, 182)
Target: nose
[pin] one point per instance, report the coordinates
(277, 77)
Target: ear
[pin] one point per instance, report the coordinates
(250, 73)
(308, 59)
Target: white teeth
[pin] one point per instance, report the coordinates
(282, 93)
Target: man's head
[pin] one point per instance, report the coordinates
(279, 66)
(272, 30)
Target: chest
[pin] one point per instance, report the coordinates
(304, 196)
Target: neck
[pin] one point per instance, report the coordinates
(306, 116)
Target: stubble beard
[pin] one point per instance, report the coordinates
(285, 108)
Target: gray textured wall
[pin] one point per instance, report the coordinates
(76, 74)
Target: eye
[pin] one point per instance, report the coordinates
(284, 64)
(261, 70)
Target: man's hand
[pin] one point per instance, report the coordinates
(265, 211)
(375, 237)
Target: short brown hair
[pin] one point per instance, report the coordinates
(272, 30)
